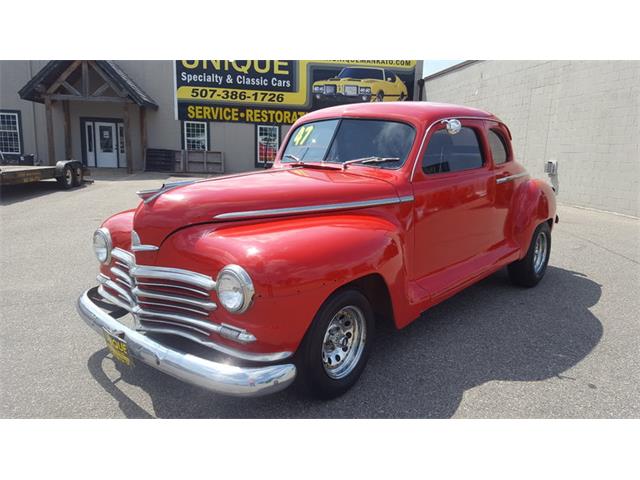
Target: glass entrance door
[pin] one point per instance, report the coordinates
(106, 145)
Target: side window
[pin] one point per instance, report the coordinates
(498, 148)
(452, 153)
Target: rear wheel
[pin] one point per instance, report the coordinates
(66, 179)
(530, 270)
(336, 347)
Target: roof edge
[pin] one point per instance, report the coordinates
(453, 68)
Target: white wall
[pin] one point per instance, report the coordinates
(584, 114)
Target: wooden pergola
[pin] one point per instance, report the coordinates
(70, 81)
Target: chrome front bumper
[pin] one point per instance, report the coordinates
(214, 376)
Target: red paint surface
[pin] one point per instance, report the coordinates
(461, 227)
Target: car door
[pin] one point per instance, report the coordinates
(452, 198)
(506, 177)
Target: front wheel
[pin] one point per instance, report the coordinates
(530, 270)
(336, 347)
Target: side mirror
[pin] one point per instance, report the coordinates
(453, 126)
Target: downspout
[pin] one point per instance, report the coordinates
(421, 88)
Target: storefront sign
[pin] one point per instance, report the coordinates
(281, 91)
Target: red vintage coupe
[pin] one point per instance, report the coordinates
(240, 284)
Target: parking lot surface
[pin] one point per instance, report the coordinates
(567, 348)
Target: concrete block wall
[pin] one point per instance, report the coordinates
(584, 114)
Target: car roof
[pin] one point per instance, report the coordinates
(409, 111)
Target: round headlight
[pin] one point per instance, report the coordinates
(235, 288)
(102, 245)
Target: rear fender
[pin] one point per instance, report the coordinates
(534, 202)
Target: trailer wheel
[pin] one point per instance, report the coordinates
(66, 179)
(78, 175)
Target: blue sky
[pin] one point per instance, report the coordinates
(433, 66)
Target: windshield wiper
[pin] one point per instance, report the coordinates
(369, 160)
(297, 162)
(295, 159)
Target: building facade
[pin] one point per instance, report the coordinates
(583, 115)
(114, 113)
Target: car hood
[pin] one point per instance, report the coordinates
(201, 201)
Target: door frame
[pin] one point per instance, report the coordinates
(83, 137)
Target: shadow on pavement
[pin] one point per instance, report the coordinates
(491, 331)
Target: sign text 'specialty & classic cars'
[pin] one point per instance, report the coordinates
(372, 212)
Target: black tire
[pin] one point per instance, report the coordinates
(402, 97)
(528, 272)
(380, 96)
(66, 179)
(78, 175)
(312, 358)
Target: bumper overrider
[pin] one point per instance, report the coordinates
(217, 377)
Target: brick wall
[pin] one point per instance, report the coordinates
(584, 114)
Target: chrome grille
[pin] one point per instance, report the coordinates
(330, 89)
(165, 300)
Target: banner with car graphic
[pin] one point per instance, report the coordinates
(281, 91)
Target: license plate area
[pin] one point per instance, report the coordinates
(118, 347)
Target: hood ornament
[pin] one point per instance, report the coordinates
(151, 194)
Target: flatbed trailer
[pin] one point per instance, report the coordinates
(68, 173)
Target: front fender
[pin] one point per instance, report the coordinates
(533, 203)
(295, 264)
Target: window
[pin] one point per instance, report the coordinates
(362, 73)
(267, 142)
(10, 133)
(196, 136)
(452, 153)
(498, 148)
(310, 142)
(349, 139)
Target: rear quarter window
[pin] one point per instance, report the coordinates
(498, 146)
(452, 153)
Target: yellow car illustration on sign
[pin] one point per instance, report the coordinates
(363, 84)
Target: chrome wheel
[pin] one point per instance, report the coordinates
(540, 252)
(68, 176)
(344, 342)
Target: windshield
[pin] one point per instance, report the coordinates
(361, 73)
(348, 139)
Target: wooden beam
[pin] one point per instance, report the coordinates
(71, 89)
(63, 77)
(99, 71)
(60, 96)
(100, 90)
(127, 136)
(143, 135)
(51, 150)
(67, 130)
(85, 78)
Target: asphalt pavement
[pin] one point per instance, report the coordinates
(569, 348)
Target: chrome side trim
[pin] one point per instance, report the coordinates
(214, 376)
(312, 208)
(511, 177)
